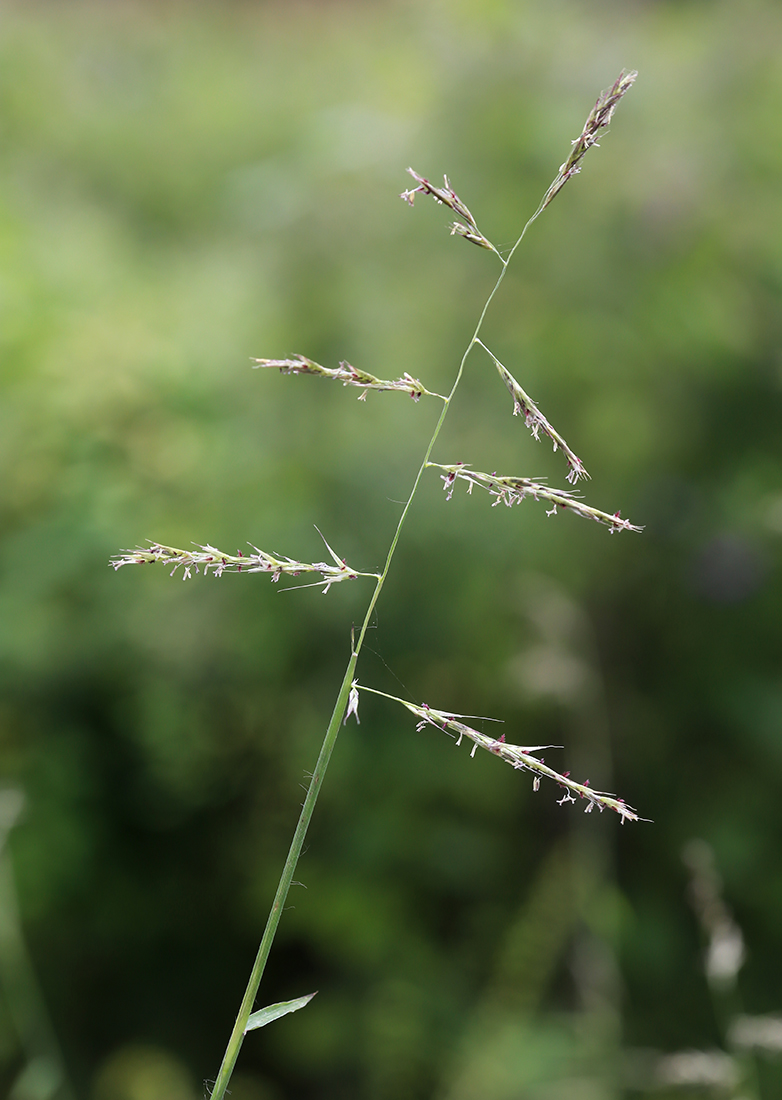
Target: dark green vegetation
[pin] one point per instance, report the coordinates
(184, 187)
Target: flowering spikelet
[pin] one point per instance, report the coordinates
(512, 490)
(448, 197)
(209, 557)
(518, 756)
(536, 421)
(599, 118)
(349, 376)
(352, 705)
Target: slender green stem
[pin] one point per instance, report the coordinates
(248, 1001)
(294, 852)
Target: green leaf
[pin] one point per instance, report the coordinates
(265, 1016)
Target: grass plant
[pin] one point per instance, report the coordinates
(503, 488)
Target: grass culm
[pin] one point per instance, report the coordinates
(505, 489)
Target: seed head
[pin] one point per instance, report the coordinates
(598, 119)
(448, 197)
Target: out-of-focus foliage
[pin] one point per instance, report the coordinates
(185, 186)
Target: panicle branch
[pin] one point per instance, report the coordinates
(536, 421)
(349, 376)
(209, 557)
(599, 118)
(448, 197)
(512, 490)
(518, 756)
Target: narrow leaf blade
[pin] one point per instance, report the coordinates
(265, 1016)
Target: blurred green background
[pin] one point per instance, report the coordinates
(186, 185)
